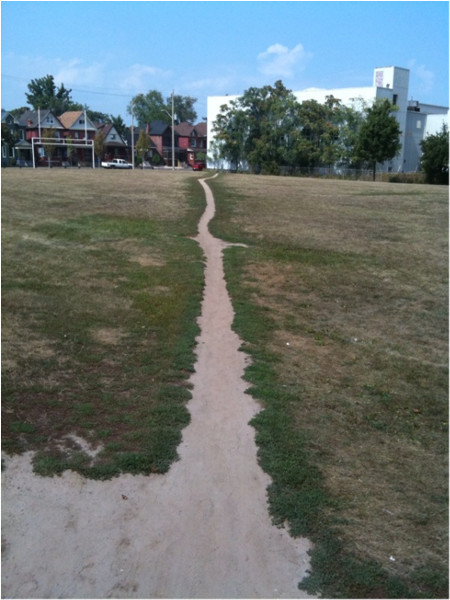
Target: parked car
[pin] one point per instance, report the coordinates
(117, 163)
(199, 166)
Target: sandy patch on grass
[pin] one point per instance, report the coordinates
(108, 335)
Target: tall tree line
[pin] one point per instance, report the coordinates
(45, 94)
(267, 128)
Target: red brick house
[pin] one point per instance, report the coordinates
(191, 142)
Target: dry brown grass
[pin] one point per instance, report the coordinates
(353, 278)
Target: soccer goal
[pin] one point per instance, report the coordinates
(43, 142)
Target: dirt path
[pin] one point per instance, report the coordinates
(201, 531)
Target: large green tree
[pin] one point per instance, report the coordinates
(230, 128)
(379, 135)
(267, 128)
(258, 128)
(317, 132)
(147, 107)
(434, 161)
(274, 119)
(43, 93)
(183, 108)
(151, 107)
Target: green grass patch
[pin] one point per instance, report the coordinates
(101, 289)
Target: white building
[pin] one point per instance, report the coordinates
(416, 120)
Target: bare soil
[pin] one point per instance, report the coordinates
(201, 531)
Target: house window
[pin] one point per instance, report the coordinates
(194, 142)
(4, 152)
(419, 124)
(49, 120)
(113, 136)
(394, 99)
(81, 121)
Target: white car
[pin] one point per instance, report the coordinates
(117, 163)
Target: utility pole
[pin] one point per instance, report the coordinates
(173, 135)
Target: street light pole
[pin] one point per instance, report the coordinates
(132, 136)
(173, 131)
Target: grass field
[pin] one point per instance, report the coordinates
(101, 286)
(341, 299)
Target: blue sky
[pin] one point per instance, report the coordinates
(109, 51)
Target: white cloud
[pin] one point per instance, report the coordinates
(142, 78)
(74, 72)
(280, 61)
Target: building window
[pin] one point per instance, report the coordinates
(419, 124)
(394, 99)
(4, 152)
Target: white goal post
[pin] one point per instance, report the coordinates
(41, 141)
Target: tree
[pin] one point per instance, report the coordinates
(70, 148)
(147, 108)
(151, 107)
(99, 144)
(49, 147)
(143, 145)
(274, 112)
(18, 112)
(379, 135)
(317, 133)
(349, 123)
(259, 128)
(8, 137)
(183, 108)
(96, 116)
(434, 161)
(119, 124)
(231, 128)
(43, 93)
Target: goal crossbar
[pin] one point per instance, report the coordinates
(41, 141)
